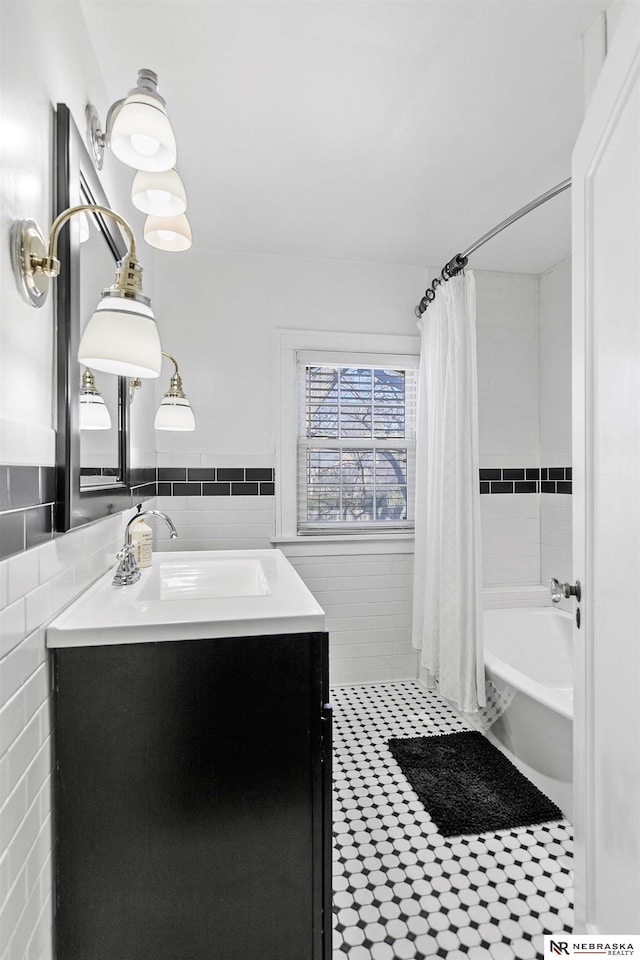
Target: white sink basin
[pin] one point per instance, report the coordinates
(192, 595)
(204, 579)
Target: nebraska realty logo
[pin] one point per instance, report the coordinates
(567, 945)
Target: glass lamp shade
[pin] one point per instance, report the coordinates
(174, 413)
(168, 233)
(159, 193)
(141, 135)
(94, 414)
(122, 338)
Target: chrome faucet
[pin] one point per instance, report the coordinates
(128, 571)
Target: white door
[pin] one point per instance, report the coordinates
(606, 519)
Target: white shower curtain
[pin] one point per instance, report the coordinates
(447, 613)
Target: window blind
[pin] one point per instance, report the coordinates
(356, 443)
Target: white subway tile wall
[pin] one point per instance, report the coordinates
(368, 601)
(555, 418)
(509, 434)
(534, 595)
(216, 523)
(556, 540)
(34, 586)
(211, 459)
(508, 369)
(555, 365)
(510, 539)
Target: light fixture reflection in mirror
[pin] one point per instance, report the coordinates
(94, 414)
(168, 233)
(161, 194)
(174, 412)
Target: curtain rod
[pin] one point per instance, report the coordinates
(459, 262)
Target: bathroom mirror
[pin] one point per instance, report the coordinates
(91, 465)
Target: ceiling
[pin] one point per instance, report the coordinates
(388, 131)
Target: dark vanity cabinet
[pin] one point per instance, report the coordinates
(193, 807)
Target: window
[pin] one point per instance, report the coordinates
(355, 442)
(345, 439)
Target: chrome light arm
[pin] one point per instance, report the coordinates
(35, 262)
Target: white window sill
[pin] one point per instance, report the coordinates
(335, 544)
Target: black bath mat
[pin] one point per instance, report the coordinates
(468, 786)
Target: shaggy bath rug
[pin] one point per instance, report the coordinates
(467, 786)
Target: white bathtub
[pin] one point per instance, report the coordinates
(528, 668)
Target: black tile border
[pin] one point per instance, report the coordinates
(25, 528)
(526, 480)
(26, 485)
(27, 503)
(28, 494)
(215, 481)
(202, 482)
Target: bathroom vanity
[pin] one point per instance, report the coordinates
(193, 774)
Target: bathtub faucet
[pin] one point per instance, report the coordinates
(128, 571)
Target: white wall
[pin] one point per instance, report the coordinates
(555, 365)
(37, 72)
(46, 57)
(221, 311)
(508, 364)
(508, 415)
(555, 417)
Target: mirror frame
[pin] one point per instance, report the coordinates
(75, 179)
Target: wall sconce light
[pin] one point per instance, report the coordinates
(161, 194)
(174, 412)
(168, 233)
(137, 128)
(121, 336)
(94, 414)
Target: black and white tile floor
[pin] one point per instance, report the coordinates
(403, 891)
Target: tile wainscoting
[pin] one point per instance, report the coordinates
(27, 501)
(34, 586)
(28, 494)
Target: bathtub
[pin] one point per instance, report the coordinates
(529, 714)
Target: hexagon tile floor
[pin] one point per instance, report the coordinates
(403, 891)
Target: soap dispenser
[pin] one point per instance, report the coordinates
(142, 542)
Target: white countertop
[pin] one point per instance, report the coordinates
(172, 601)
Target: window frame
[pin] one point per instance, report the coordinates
(290, 343)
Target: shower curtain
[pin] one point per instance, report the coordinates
(447, 611)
